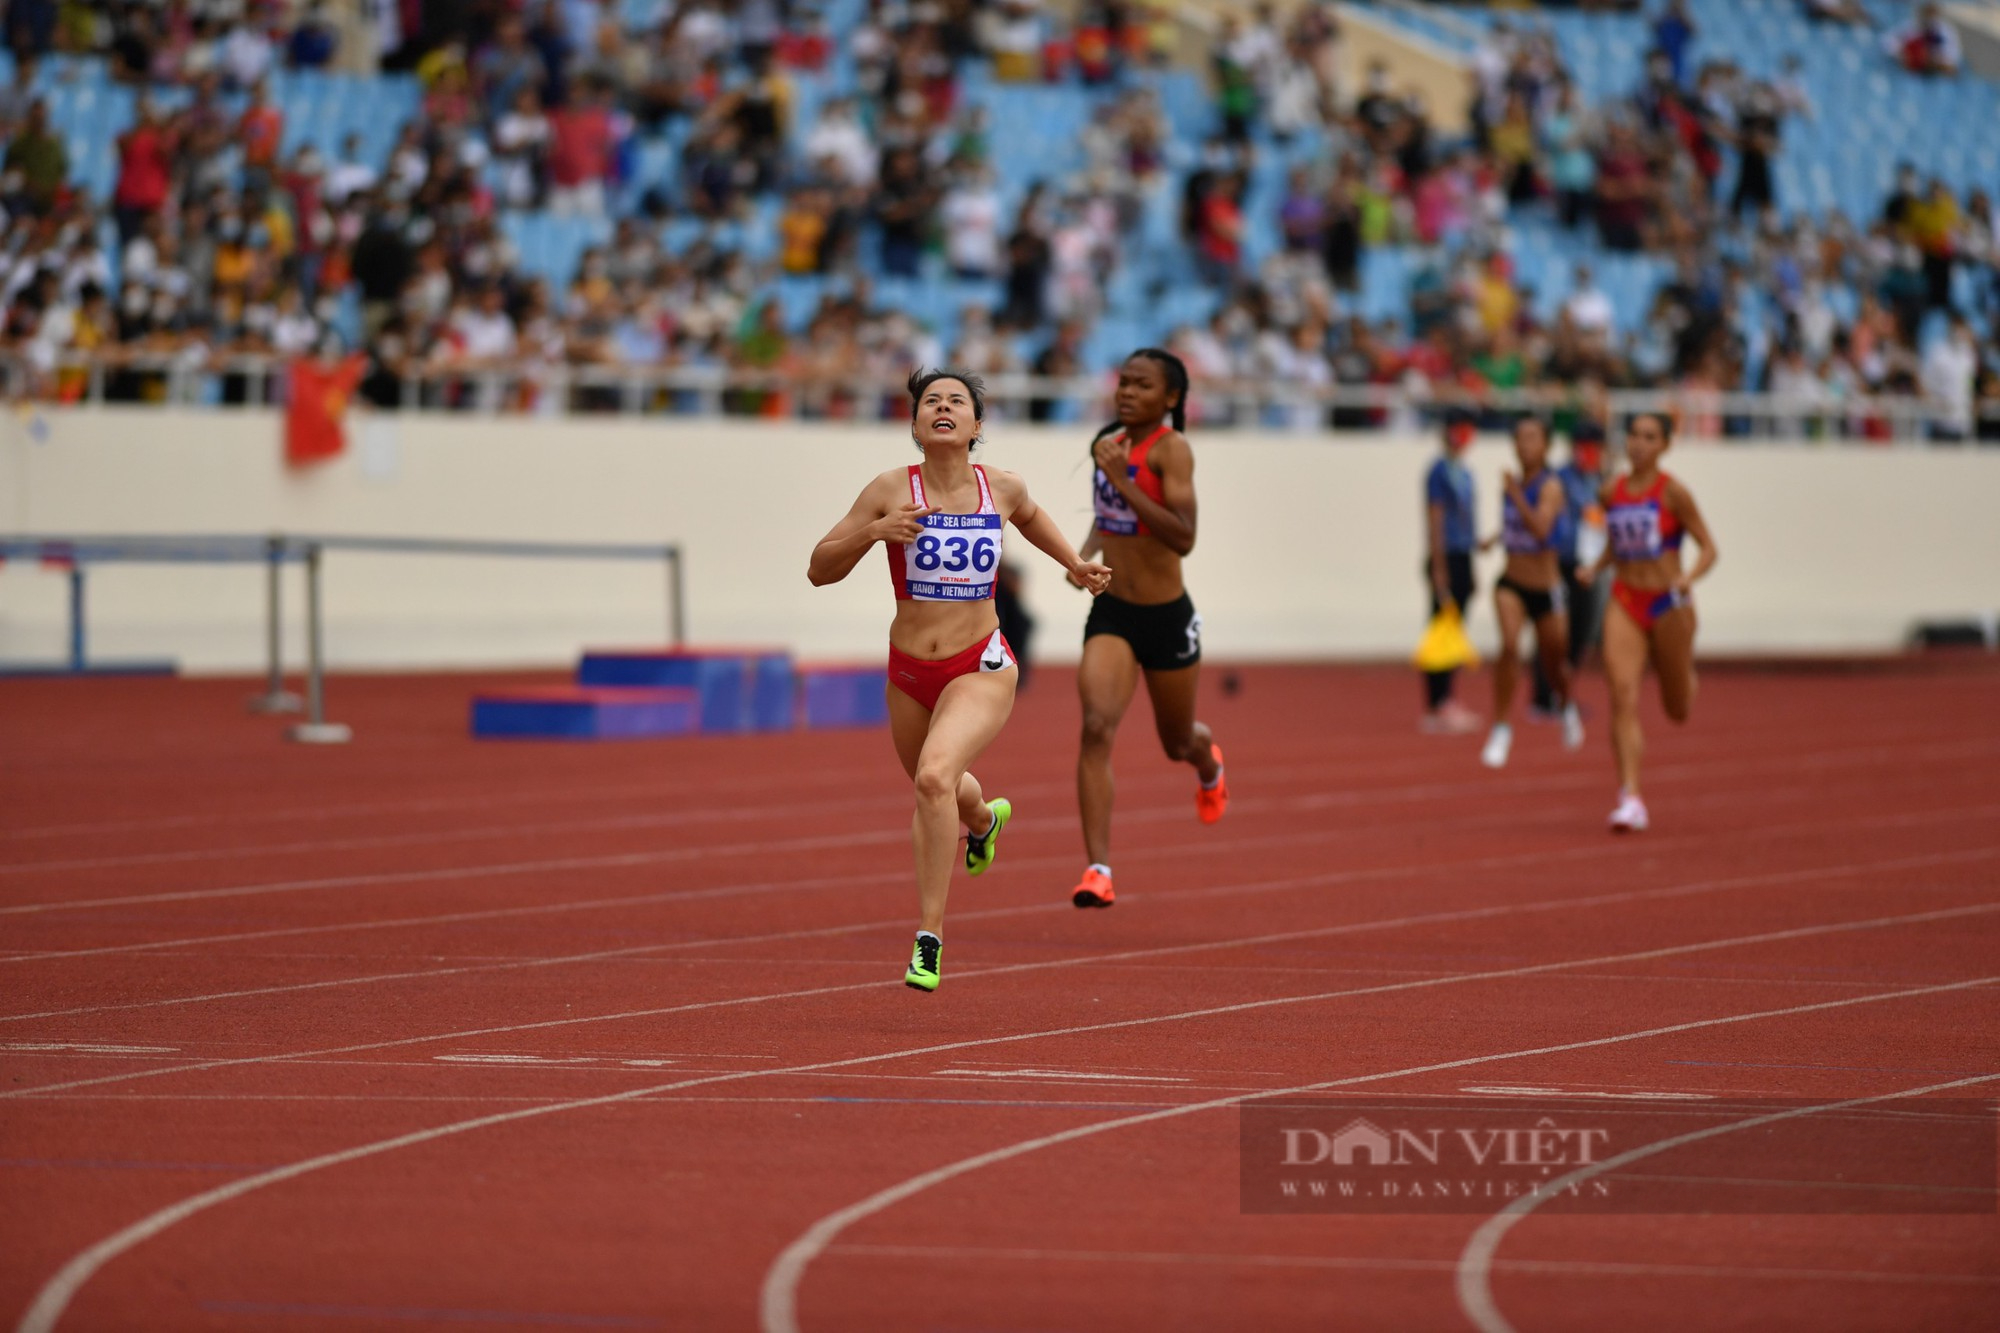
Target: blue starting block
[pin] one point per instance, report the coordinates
(742, 689)
(571, 712)
(843, 696)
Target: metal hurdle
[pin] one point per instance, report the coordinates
(276, 550)
(74, 555)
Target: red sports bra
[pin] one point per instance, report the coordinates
(1643, 526)
(1113, 514)
(954, 558)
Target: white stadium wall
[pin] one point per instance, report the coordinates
(1309, 544)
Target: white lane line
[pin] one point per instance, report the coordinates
(1064, 1074)
(732, 811)
(1154, 849)
(1297, 804)
(781, 1284)
(578, 790)
(606, 861)
(1356, 927)
(1474, 1270)
(87, 1048)
(726, 814)
(1508, 1090)
(1592, 851)
(1158, 850)
(1390, 753)
(1363, 1264)
(778, 1300)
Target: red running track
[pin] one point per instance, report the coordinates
(422, 1032)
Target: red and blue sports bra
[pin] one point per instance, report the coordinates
(1515, 534)
(1116, 517)
(1643, 526)
(955, 558)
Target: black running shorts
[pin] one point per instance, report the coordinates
(1164, 637)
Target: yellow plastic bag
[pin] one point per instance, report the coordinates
(1445, 645)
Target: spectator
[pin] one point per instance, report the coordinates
(1302, 216)
(765, 348)
(838, 138)
(292, 330)
(133, 49)
(580, 148)
(1588, 307)
(145, 170)
(350, 174)
(1219, 240)
(521, 141)
(1028, 266)
(1932, 225)
(37, 152)
(1235, 81)
(761, 113)
(1624, 191)
(1836, 11)
(1927, 45)
(970, 214)
(1673, 33)
(485, 332)
(1512, 143)
(314, 40)
(247, 55)
(802, 232)
(903, 206)
(1014, 38)
(1341, 233)
(18, 96)
(1571, 166)
(1950, 368)
(259, 131)
(1757, 127)
(383, 261)
(1790, 87)
(31, 27)
(506, 67)
(1061, 359)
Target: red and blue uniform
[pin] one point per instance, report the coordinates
(1116, 517)
(1642, 526)
(956, 558)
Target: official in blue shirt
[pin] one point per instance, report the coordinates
(1448, 508)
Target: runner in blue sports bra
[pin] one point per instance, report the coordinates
(1532, 513)
(951, 671)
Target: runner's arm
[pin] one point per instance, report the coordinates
(871, 520)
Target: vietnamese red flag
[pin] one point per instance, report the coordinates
(318, 403)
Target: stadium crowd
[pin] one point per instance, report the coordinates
(227, 244)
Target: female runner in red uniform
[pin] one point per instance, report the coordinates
(951, 672)
(1651, 616)
(1146, 622)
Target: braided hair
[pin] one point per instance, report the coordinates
(1177, 383)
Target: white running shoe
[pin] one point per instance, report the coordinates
(1572, 727)
(1630, 816)
(1497, 745)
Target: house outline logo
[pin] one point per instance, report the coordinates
(1361, 1136)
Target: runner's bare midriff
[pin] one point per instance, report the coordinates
(1143, 570)
(934, 631)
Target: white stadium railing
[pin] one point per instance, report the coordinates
(226, 382)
